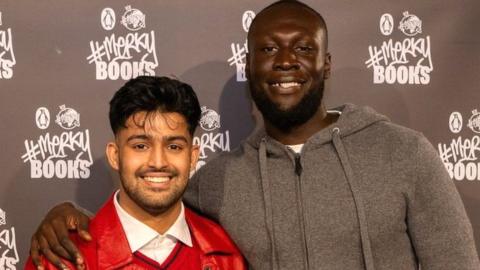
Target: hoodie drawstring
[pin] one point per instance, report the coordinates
(354, 188)
(267, 197)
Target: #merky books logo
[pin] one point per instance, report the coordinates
(239, 50)
(8, 246)
(124, 57)
(460, 156)
(7, 56)
(211, 140)
(65, 155)
(407, 61)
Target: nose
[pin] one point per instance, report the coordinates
(286, 59)
(157, 158)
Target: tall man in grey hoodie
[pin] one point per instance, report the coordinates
(342, 189)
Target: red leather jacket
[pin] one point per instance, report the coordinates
(109, 248)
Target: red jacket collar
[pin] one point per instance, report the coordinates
(112, 246)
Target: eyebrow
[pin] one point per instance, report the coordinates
(165, 138)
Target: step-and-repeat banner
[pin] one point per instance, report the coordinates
(418, 62)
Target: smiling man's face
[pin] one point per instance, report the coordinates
(287, 64)
(153, 155)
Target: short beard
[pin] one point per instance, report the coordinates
(286, 120)
(149, 205)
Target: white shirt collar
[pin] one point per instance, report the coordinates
(297, 148)
(138, 234)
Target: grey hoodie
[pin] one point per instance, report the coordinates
(363, 194)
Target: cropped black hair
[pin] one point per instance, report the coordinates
(150, 94)
(321, 20)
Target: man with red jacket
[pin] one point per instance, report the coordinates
(144, 225)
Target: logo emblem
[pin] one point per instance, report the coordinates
(3, 217)
(42, 118)
(247, 19)
(0, 18)
(210, 119)
(68, 118)
(410, 24)
(108, 18)
(455, 122)
(133, 19)
(386, 24)
(474, 122)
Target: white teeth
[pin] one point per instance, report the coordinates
(287, 84)
(157, 179)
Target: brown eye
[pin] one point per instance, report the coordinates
(269, 49)
(140, 146)
(174, 147)
(304, 49)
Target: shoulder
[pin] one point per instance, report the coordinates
(400, 138)
(210, 236)
(226, 161)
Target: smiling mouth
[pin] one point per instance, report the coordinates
(286, 84)
(152, 179)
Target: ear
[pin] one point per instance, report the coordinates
(112, 154)
(194, 154)
(327, 66)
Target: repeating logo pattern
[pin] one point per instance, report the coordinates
(7, 56)
(407, 61)
(211, 140)
(239, 50)
(124, 57)
(461, 155)
(8, 246)
(65, 155)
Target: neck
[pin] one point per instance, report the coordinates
(159, 222)
(300, 134)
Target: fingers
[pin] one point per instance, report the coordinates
(51, 235)
(72, 249)
(34, 248)
(54, 259)
(80, 223)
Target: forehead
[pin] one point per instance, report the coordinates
(284, 17)
(157, 123)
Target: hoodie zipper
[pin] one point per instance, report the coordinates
(298, 172)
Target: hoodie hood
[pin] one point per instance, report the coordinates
(351, 120)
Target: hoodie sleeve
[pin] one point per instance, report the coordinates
(438, 225)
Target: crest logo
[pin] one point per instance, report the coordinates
(410, 25)
(474, 121)
(461, 155)
(386, 24)
(42, 118)
(211, 140)
(63, 155)
(407, 61)
(68, 118)
(124, 57)
(133, 19)
(210, 119)
(108, 19)
(455, 122)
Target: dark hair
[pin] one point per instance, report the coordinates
(294, 2)
(150, 94)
